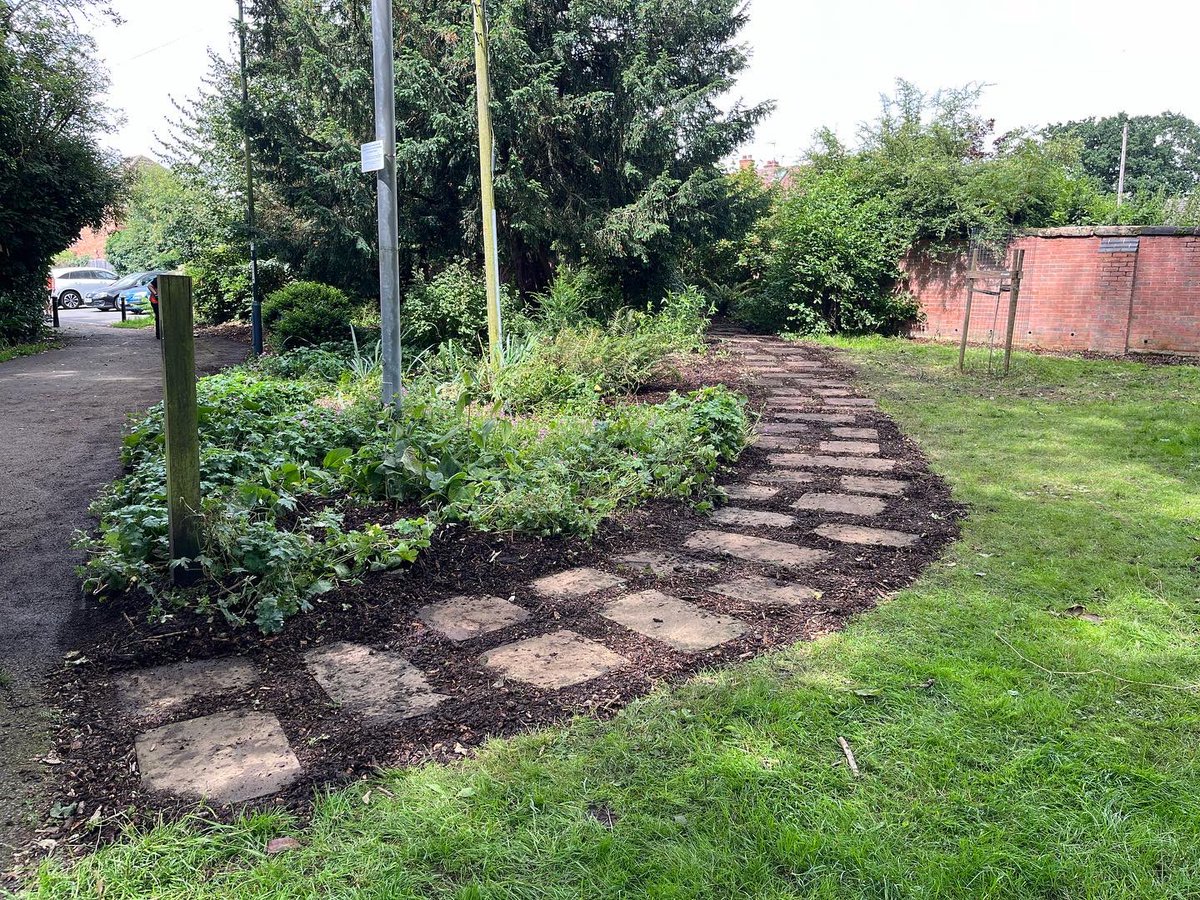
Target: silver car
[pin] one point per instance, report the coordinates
(70, 284)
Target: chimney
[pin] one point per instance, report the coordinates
(746, 162)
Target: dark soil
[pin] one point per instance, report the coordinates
(96, 738)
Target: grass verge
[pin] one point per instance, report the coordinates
(135, 322)
(1009, 745)
(19, 350)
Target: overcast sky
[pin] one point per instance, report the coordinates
(823, 63)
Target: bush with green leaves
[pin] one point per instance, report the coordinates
(306, 313)
(292, 443)
(450, 306)
(22, 304)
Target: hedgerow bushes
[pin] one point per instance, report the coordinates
(292, 444)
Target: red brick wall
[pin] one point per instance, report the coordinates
(1076, 297)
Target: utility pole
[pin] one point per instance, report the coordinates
(383, 52)
(487, 162)
(1121, 173)
(256, 329)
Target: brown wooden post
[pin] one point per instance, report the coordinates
(962, 344)
(181, 425)
(1014, 291)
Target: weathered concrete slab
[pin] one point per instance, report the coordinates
(377, 684)
(858, 434)
(750, 492)
(553, 661)
(576, 583)
(784, 428)
(865, 484)
(817, 417)
(149, 693)
(850, 504)
(815, 461)
(832, 391)
(752, 518)
(465, 617)
(857, 402)
(664, 565)
(228, 757)
(764, 591)
(754, 549)
(858, 534)
(866, 448)
(783, 476)
(777, 442)
(675, 622)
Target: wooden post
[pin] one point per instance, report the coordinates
(122, 307)
(181, 425)
(962, 344)
(487, 162)
(1014, 291)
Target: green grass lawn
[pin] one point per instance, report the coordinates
(1008, 749)
(134, 321)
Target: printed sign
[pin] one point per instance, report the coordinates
(372, 156)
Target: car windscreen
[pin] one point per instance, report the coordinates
(128, 281)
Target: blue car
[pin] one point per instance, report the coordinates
(133, 290)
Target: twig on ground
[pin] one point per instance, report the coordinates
(849, 756)
(1106, 674)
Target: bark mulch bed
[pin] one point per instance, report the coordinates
(100, 783)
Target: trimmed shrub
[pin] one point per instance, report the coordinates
(307, 313)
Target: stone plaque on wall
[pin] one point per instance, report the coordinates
(1119, 245)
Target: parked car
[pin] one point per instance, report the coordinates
(133, 290)
(70, 284)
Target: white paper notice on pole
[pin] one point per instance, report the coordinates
(372, 156)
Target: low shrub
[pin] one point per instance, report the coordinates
(451, 306)
(307, 313)
(221, 283)
(22, 309)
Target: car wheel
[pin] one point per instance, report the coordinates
(70, 300)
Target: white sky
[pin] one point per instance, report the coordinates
(825, 63)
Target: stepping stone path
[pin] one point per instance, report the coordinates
(752, 549)
(576, 583)
(750, 492)
(865, 484)
(857, 534)
(752, 518)
(813, 461)
(850, 504)
(151, 693)
(242, 754)
(376, 684)
(556, 660)
(227, 757)
(765, 591)
(678, 623)
(664, 565)
(463, 618)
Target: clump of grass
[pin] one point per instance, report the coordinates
(135, 322)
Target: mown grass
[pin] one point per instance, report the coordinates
(984, 773)
(135, 322)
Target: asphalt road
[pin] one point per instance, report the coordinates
(61, 414)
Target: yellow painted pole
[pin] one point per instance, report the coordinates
(491, 250)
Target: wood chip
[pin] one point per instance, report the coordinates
(849, 756)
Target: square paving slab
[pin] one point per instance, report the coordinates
(752, 549)
(227, 757)
(376, 684)
(664, 565)
(576, 583)
(678, 623)
(750, 492)
(850, 504)
(764, 591)
(556, 660)
(857, 534)
(866, 448)
(861, 434)
(865, 484)
(462, 618)
(819, 418)
(752, 518)
(149, 693)
(814, 461)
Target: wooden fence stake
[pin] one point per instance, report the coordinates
(181, 424)
(962, 344)
(1014, 291)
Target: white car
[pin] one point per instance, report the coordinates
(70, 284)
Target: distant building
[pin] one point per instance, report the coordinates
(771, 172)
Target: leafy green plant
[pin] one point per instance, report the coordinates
(451, 306)
(305, 312)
